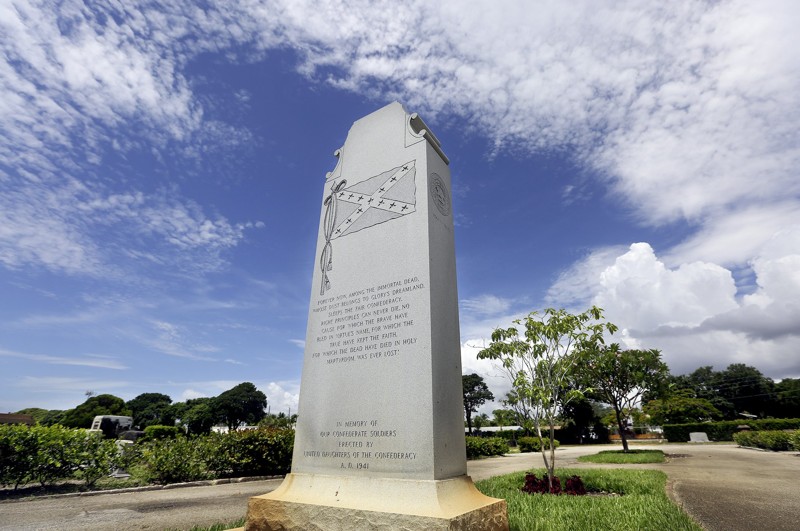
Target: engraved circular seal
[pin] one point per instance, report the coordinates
(439, 194)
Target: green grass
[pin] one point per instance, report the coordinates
(643, 503)
(618, 457)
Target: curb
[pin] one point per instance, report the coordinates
(204, 483)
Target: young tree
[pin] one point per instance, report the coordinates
(539, 363)
(620, 377)
(476, 393)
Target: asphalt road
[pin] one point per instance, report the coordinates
(180, 508)
(723, 487)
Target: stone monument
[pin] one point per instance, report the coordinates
(380, 432)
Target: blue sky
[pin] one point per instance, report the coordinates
(161, 168)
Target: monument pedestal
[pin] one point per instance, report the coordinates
(325, 503)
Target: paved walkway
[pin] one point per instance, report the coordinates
(723, 487)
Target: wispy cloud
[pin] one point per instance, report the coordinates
(89, 360)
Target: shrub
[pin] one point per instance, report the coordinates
(97, 457)
(485, 446)
(723, 431)
(259, 452)
(775, 440)
(156, 432)
(532, 444)
(18, 448)
(174, 460)
(57, 454)
(795, 440)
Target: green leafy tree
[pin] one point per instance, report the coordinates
(747, 389)
(787, 397)
(243, 404)
(37, 413)
(582, 421)
(620, 378)
(481, 420)
(681, 408)
(504, 417)
(151, 409)
(82, 416)
(53, 417)
(197, 415)
(738, 389)
(540, 361)
(476, 393)
(281, 421)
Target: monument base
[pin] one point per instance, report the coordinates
(329, 503)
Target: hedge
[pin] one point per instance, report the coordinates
(775, 440)
(533, 444)
(262, 452)
(485, 446)
(724, 430)
(46, 454)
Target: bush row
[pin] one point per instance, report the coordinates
(775, 440)
(533, 444)
(723, 431)
(485, 446)
(46, 454)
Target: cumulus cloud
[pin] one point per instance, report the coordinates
(282, 396)
(693, 312)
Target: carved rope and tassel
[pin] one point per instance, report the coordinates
(329, 222)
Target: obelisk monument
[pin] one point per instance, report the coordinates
(380, 432)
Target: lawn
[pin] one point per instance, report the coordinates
(636, 499)
(618, 457)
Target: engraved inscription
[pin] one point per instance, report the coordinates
(372, 323)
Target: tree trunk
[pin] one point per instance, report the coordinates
(548, 465)
(621, 429)
(469, 422)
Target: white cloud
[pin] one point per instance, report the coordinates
(496, 380)
(90, 360)
(190, 394)
(283, 396)
(639, 293)
(485, 305)
(576, 285)
(299, 343)
(692, 312)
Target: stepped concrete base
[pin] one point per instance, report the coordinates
(312, 502)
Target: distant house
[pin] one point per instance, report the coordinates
(14, 418)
